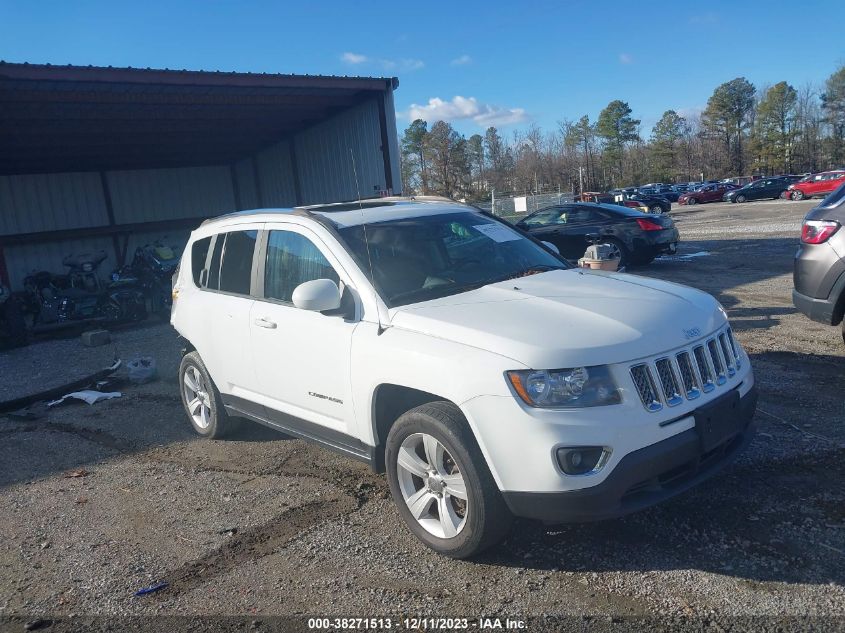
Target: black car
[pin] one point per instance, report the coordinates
(763, 189)
(819, 272)
(654, 203)
(638, 237)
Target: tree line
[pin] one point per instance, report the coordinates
(743, 130)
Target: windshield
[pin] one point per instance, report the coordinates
(423, 258)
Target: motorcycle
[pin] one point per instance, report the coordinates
(80, 296)
(152, 267)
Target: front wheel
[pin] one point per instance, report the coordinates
(440, 482)
(618, 251)
(691, 201)
(656, 209)
(797, 195)
(740, 199)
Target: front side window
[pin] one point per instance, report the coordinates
(422, 258)
(236, 267)
(544, 217)
(292, 259)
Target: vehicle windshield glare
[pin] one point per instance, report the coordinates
(423, 258)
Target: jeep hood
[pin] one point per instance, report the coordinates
(568, 318)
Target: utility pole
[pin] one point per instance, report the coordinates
(580, 179)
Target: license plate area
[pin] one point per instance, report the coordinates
(718, 421)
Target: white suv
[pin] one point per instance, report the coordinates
(484, 373)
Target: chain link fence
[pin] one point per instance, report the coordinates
(513, 206)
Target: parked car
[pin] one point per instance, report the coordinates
(654, 204)
(762, 189)
(819, 270)
(706, 193)
(816, 185)
(482, 372)
(636, 239)
(667, 191)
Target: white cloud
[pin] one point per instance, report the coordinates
(462, 108)
(353, 58)
(399, 65)
(626, 58)
(463, 60)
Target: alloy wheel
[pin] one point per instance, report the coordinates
(615, 252)
(197, 397)
(432, 485)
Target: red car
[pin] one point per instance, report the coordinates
(707, 193)
(816, 185)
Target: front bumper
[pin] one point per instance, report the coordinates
(641, 479)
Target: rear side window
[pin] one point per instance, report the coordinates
(236, 268)
(199, 253)
(292, 259)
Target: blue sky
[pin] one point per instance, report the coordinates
(476, 63)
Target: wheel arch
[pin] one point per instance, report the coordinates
(389, 402)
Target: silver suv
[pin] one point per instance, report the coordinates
(819, 274)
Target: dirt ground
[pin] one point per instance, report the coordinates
(263, 525)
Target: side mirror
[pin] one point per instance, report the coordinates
(317, 295)
(552, 247)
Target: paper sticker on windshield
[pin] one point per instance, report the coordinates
(497, 232)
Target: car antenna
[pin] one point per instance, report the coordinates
(381, 328)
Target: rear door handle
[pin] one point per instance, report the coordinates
(267, 323)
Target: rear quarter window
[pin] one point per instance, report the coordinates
(199, 253)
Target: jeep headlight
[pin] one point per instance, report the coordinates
(565, 388)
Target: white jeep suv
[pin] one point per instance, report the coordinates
(487, 376)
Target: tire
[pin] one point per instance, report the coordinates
(692, 201)
(209, 417)
(656, 209)
(739, 199)
(624, 255)
(797, 195)
(472, 524)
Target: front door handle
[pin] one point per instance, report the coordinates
(264, 322)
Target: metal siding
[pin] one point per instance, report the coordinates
(393, 139)
(46, 202)
(275, 176)
(325, 163)
(23, 259)
(246, 183)
(148, 195)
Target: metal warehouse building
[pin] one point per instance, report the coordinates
(113, 158)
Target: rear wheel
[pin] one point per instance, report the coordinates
(202, 401)
(797, 195)
(440, 482)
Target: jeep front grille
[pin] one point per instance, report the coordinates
(668, 381)
(686, 373)
(689, 381)
(645, 387)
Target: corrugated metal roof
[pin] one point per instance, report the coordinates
(71, 118)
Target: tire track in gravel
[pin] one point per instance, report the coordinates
(354, 486)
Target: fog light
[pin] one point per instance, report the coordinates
(581, 460)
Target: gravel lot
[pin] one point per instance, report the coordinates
(264, 525)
